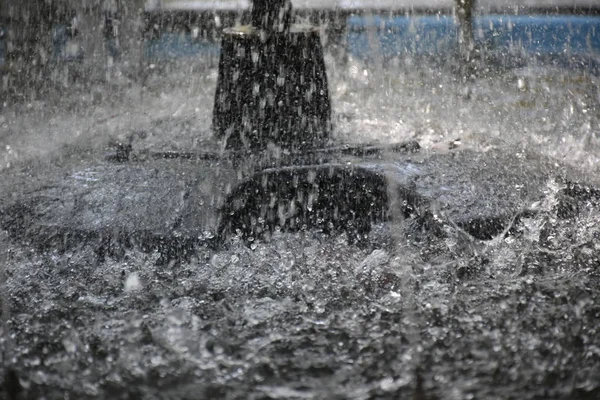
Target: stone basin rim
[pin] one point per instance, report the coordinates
(249, 31)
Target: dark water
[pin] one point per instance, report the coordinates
(310, 316)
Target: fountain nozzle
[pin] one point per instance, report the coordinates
(272, 88)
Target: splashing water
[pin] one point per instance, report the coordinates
(307, 315)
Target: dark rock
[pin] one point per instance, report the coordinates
(272, 15)
(328, 197)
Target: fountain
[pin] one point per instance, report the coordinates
(363, 271)
(280, 168)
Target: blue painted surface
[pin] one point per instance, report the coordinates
(175, 45)
(535, 34)
(396, 36)
(399, 35)
(542, 34)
